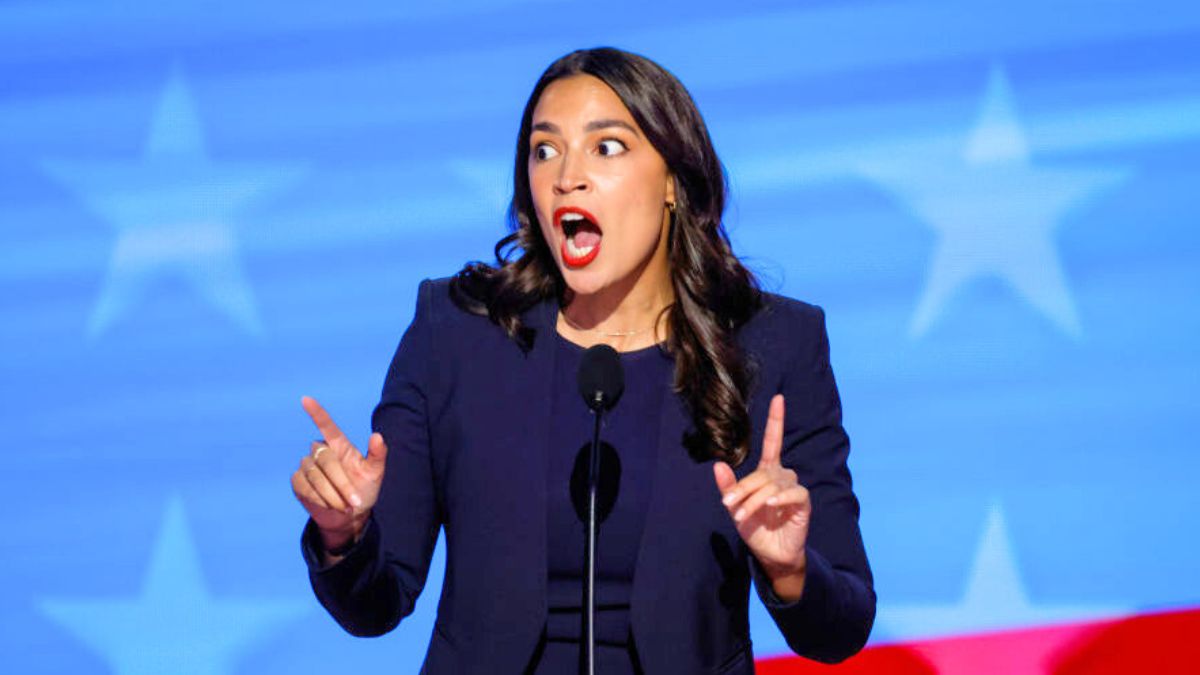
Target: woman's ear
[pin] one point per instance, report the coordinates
(670, 199)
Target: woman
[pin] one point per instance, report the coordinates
(616, 212)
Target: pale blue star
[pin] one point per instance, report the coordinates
(174, 625)
(173, 210)
(994, 212)
(995, 598)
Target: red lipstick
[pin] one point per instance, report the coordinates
(586, 244)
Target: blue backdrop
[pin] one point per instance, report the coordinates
(208, 209)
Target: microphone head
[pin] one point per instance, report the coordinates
(601, 378)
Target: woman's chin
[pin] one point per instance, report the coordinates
(583, 282)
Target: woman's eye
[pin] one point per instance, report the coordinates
(611, 146)
(544, 151)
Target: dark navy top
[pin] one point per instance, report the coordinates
(629, 439)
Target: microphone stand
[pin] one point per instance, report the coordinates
(588, 666)
(601, 381)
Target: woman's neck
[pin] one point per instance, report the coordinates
(624, 319)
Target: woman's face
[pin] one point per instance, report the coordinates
(599, 188)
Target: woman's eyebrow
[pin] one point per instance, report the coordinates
(552, 128)
(606, 123)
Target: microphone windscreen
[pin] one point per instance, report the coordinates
(601, 378)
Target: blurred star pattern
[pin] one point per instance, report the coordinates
(210, 209)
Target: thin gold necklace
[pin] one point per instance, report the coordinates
(619, 333)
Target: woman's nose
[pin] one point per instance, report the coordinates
(571, 176)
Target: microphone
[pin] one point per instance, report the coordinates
(601, 383)
(601, 378)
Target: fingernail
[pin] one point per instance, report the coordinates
(729, 498)
(741, 513)
(356, 500)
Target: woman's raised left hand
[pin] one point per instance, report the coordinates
(770, 508)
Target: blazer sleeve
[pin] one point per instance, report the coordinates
(833, 616)
(377, 583)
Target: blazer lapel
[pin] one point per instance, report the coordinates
(529, 394)
(659, 587)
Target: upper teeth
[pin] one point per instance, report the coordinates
(573, 216)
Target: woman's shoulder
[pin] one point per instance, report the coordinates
(436, 292)
(435, 298)
(783, 313)
(785, 330)
(454, 315)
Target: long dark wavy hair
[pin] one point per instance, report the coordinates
(714, 293)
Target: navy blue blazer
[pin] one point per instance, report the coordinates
(463, 413)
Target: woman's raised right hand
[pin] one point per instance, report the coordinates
(337, 485)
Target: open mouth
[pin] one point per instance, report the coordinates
(581, 235)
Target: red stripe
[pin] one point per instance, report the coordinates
(1164, 644)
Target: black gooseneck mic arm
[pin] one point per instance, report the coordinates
(601, 382)
(589, 550)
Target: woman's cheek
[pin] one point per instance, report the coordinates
(548, 237)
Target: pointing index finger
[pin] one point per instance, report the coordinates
(333, 435)
(773, 435)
